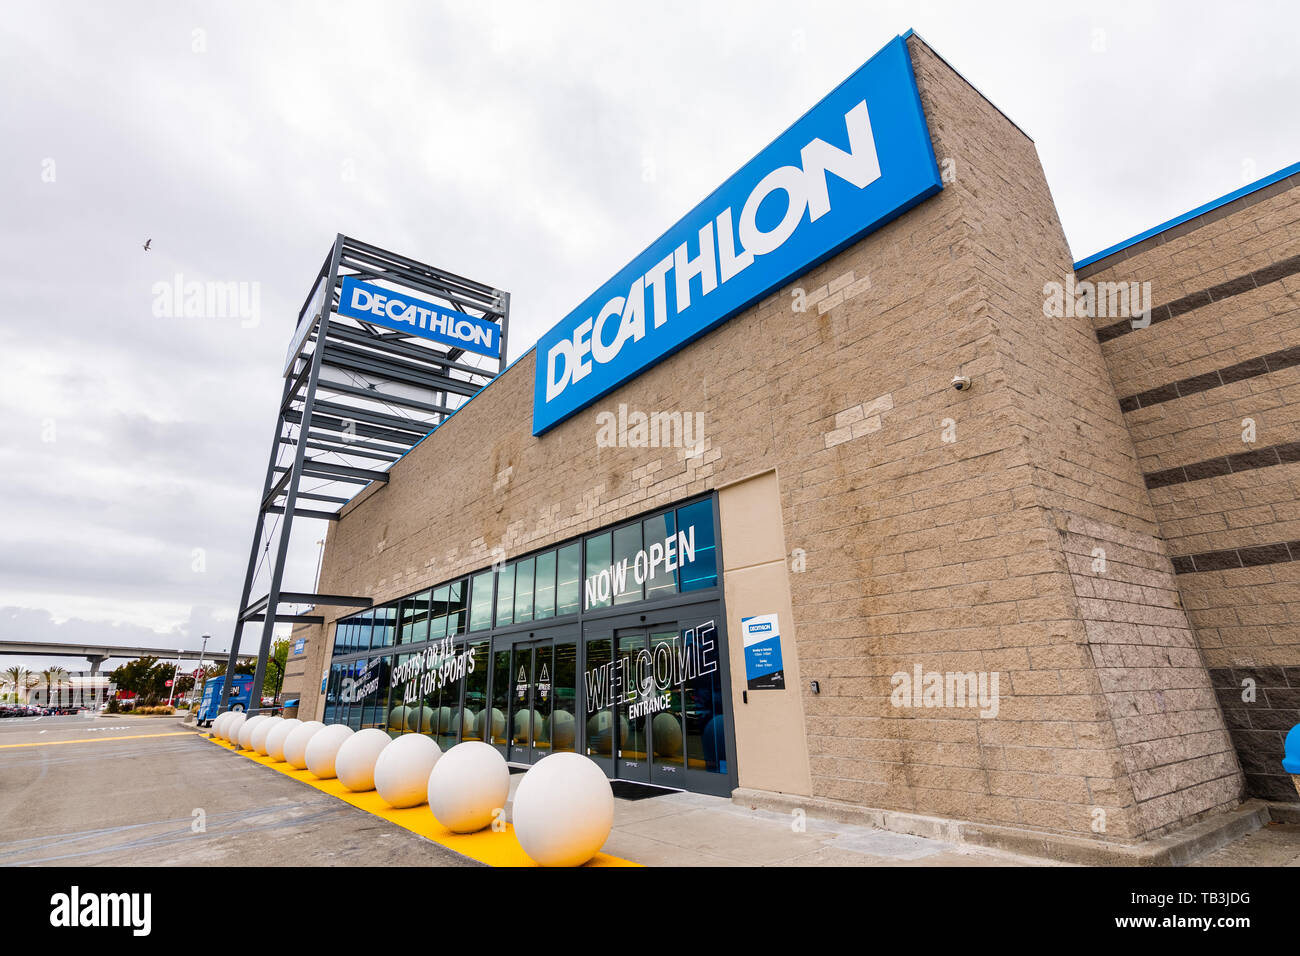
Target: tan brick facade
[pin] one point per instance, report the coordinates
(1222, 450)
(1003, 529)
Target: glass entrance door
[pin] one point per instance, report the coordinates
(649, 708)
(632, 725)
(542, 704)
(655, 699)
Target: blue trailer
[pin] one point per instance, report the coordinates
(239, 697)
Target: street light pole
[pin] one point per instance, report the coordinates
(203, 650)
(176, 675)
(198, 691)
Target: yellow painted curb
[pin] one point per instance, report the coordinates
(96, 740)
(493, 847)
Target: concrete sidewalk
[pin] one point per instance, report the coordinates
(691, 829)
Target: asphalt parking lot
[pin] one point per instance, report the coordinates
(137, 791)
(134, 791)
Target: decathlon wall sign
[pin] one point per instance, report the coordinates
(397, 310)
(856, 160)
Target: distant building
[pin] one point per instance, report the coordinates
(78, 688)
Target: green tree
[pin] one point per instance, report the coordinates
(244, 665)
(273, 681)
(146, 677)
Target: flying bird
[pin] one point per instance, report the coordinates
(146, 244)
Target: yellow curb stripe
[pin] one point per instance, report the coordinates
(493, 847)
(96, 740)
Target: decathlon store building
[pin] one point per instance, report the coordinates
(732, 524)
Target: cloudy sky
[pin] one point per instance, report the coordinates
(533, 146)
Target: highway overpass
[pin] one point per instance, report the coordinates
(96, 654)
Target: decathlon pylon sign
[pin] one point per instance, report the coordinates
(856, 160)
(405, 313)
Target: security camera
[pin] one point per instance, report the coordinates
(961, 382)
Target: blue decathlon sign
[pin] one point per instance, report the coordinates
(764, 668)
(397, 310)
(856, 160)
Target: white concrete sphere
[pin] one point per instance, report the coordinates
(563, 810)
(563, 730)
(233, 728)
(215, 729)
(420, 719)
(355, 763)
(278, 735)
(498, 729)
(667, 730)
(323, 748)
(397, 718)
(247, 728)
(221, 723)
(468, 784)
(599, 731)
(403, 768)
(444, 720)
(262, 731)
(295, 745)
(463, 721)
(529, 726)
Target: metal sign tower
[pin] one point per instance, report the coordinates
(385, 349)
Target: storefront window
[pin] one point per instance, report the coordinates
(495, 721)
(568, 579)
(456, 608)
(702, 571)
(524, 591)
(564, 702)
(480, 608)
(631, 727)
(363, 625)
(505, 595)
(397, 707)
(661, 581)
(598, 696)
(385, 627)
(415, 619)
(476, 688)
(332, 693)
(666, 727)
(597, 585)
(706, 745)
(646, 702)
(627, 545)
(438, 614)
(441, 699)
(544, 586)
(350, 695)
(374, 685)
